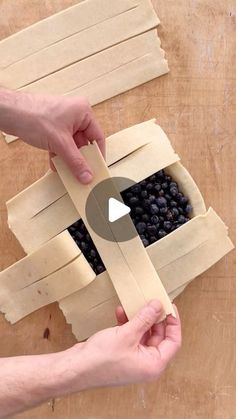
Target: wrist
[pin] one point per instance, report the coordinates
(15, 112)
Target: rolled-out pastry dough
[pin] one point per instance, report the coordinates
(65, 281)
(79, 46)
(55, 254)
(61, 25)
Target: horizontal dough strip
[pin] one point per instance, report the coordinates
(195, 257)
(98, 66)
(80, 46)
(49, 258)
(65, 281)
(60, 26)
(135, 144)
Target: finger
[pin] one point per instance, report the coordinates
(80, 139)
(76, 162)
(172, 342)
(157, 334)
(51, 155)
(144, 320)
(93, 132)
(121, 316)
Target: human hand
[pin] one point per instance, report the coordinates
(60, 125)
(134, 351)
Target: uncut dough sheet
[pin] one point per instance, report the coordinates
(146, 147)
(73, 60)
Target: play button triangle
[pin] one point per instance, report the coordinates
(116, 210)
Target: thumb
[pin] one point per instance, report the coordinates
(145, 319)
(77, 164)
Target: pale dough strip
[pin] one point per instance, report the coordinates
(79, 46)
(77, 274)
(112, 257)
(55, 254)
(98, 66)
(59, 26)
(133, 250)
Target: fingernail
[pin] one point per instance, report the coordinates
(85, 177)
(156, 304)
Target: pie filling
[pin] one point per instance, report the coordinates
(158, 207)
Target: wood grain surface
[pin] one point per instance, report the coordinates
(196, 106)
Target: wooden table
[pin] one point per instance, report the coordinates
(196, 106)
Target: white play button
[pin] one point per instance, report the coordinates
(116, 210)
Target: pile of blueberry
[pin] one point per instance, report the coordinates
(158, 207)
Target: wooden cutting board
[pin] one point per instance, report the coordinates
(196, 105)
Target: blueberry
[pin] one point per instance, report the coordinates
(163, 210)
(141, 227)
(173, 185)
(136, 189)
(138, 210)
(149, 186)
(183, 200)
(161, 234)
(133, 201)
(188, 208)
(181, 219)
(146, 203)
(152, 198)
(100, 269)
(161, 219)
(157, 187)
(167, 225)
(155, 219)
(160, 174)
(83, 246)
(173, 191)
(93, 253)
(153, 239)
(179, 196)
(145, 242)
(128, 195)
(82, 227)
(145, 218)
(152, 230)
(87, 237)
(169, 215)
(164, 185)
(144, 194)
(79, 235)
(152, 178)
(161, 193)
(181, 211)
(173, 203)
(175, 212)
(168, 197)
(161, 202)
(143, 183)
(154, 209)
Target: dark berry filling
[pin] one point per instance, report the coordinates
(158, 207)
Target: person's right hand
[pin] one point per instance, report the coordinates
(58, 124)
(135, 351)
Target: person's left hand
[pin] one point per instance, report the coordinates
(135, 351)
